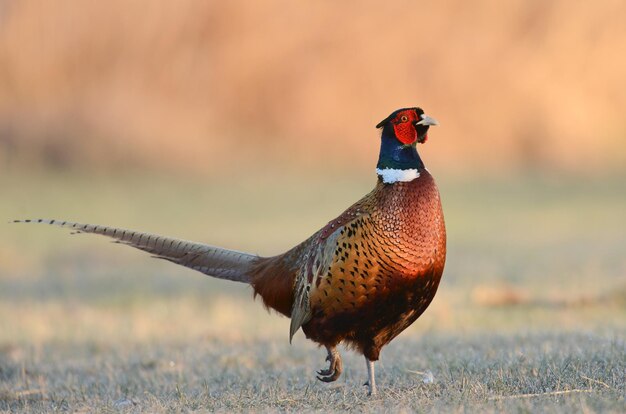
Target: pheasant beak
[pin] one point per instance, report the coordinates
(426, 120)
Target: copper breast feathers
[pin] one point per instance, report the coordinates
(394, 235)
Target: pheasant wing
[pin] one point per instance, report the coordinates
(321, 252)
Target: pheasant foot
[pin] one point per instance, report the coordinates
(335, 368)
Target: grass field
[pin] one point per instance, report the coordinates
(530, 316)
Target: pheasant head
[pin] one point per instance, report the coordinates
(402, 130)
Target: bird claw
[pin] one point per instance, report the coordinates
(329, 378)
(370, 391)
(335, 368)
(328, 375)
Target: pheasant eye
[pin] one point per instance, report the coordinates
(404, 118)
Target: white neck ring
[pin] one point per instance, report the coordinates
(392, 175)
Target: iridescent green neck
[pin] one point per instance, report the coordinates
(395, 155)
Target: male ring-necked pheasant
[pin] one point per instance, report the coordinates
(360, 280)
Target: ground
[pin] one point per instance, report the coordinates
(530, 316)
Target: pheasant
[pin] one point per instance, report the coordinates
(361, 279)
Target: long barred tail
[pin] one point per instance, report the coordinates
(210, 260)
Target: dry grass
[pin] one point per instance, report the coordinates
(533, 372)
(88, 326)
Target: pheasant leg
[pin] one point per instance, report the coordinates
(335, 367)
(371, 380)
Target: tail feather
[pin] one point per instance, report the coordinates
(210, 260)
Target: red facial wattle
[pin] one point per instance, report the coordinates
(405, 132)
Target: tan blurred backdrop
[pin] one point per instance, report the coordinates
(193, 85)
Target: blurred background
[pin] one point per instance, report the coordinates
(186, 87)
(250, 125)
